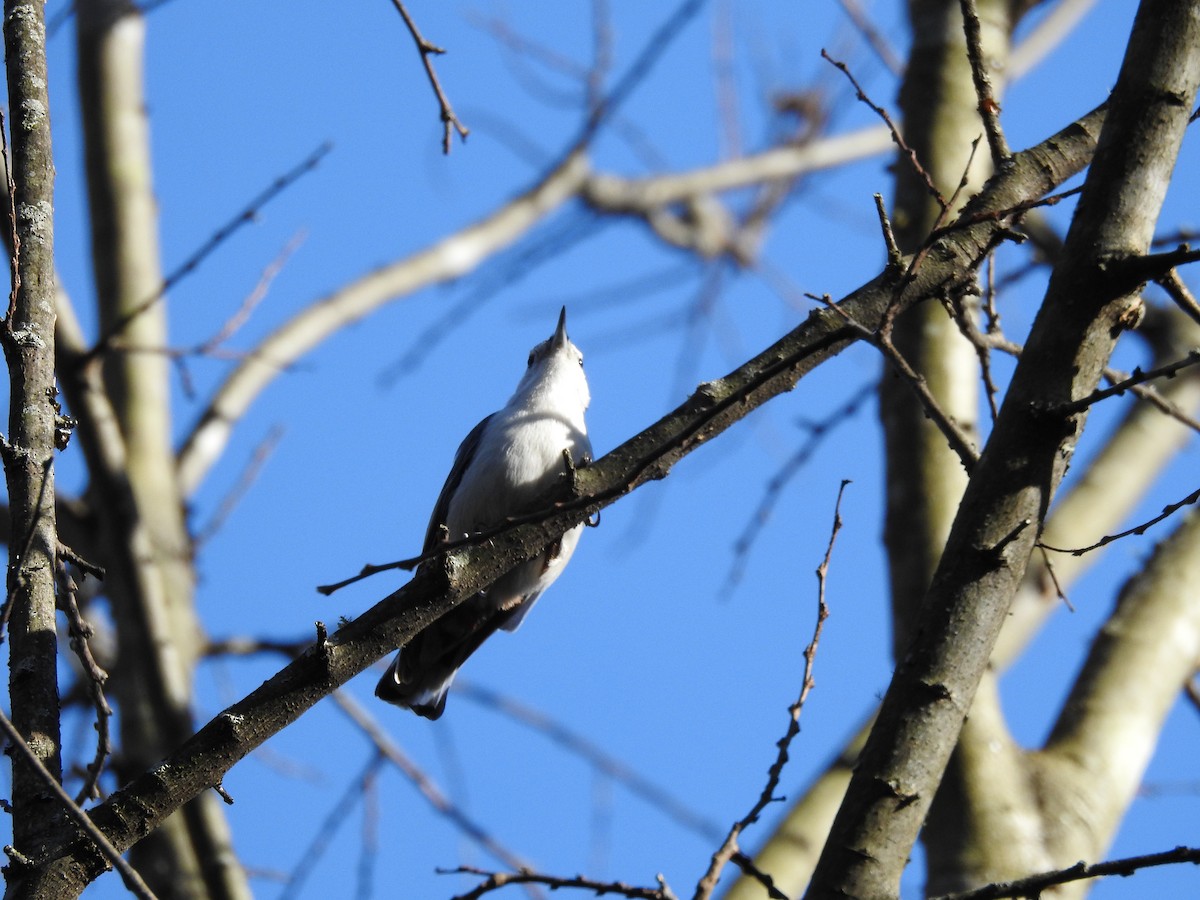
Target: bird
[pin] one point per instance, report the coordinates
(507, 466)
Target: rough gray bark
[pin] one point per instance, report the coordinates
(28, 338)
(1094, 286)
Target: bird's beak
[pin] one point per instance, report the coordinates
(560, 333)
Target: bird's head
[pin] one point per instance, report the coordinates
(554, 375)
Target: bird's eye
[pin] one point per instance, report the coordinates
(532, 354)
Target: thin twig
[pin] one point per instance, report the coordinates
(328, 829)
(248, 214)
(1168, 510)
(603, 762)
(132, 880)
(1139, 377)
(495, 880)
(1049, 567)
(709, 882)
(450, 121)
(1158, 401)
(249, 475)
(981, 343)
(1009, 212)
(234, 323)
(66, 554)
(652, 51)
(602, 55)
(522, 47)
(211, 346)
(889, 237)
(80, 631)
(794, 465)
(918, 258)
(959, 442)
(239, 646)
(369, 844)
(897, 138)
(989, 109)
(1179, 293)
(875, 40)
(725, 75)
(1034, 885)
(993, 325)
(440, 803)
(1145, 392)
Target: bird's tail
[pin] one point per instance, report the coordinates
(423, 696)
(424, 669)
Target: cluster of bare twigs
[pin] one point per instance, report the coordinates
(245, 216)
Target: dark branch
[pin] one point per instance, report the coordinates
(493, 881)
(730, 847)
(897, 137)
(1035, 884)
(450, 121)
(1168, 510)
(1170, 370)
(989, 109)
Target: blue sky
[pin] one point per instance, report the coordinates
(637, 647)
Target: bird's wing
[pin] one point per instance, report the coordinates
(462, 459)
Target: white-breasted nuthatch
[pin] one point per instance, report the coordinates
(507, 466)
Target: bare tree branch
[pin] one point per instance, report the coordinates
(638, 785)
(495, 880)
(141, 526)
(247, 215)
(989, 109)
(816, 432)
(708, 882)
(450, 121)
(1034, 885)
(95, 677)
(1169, 370)
(389, 751)
(311, 854)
